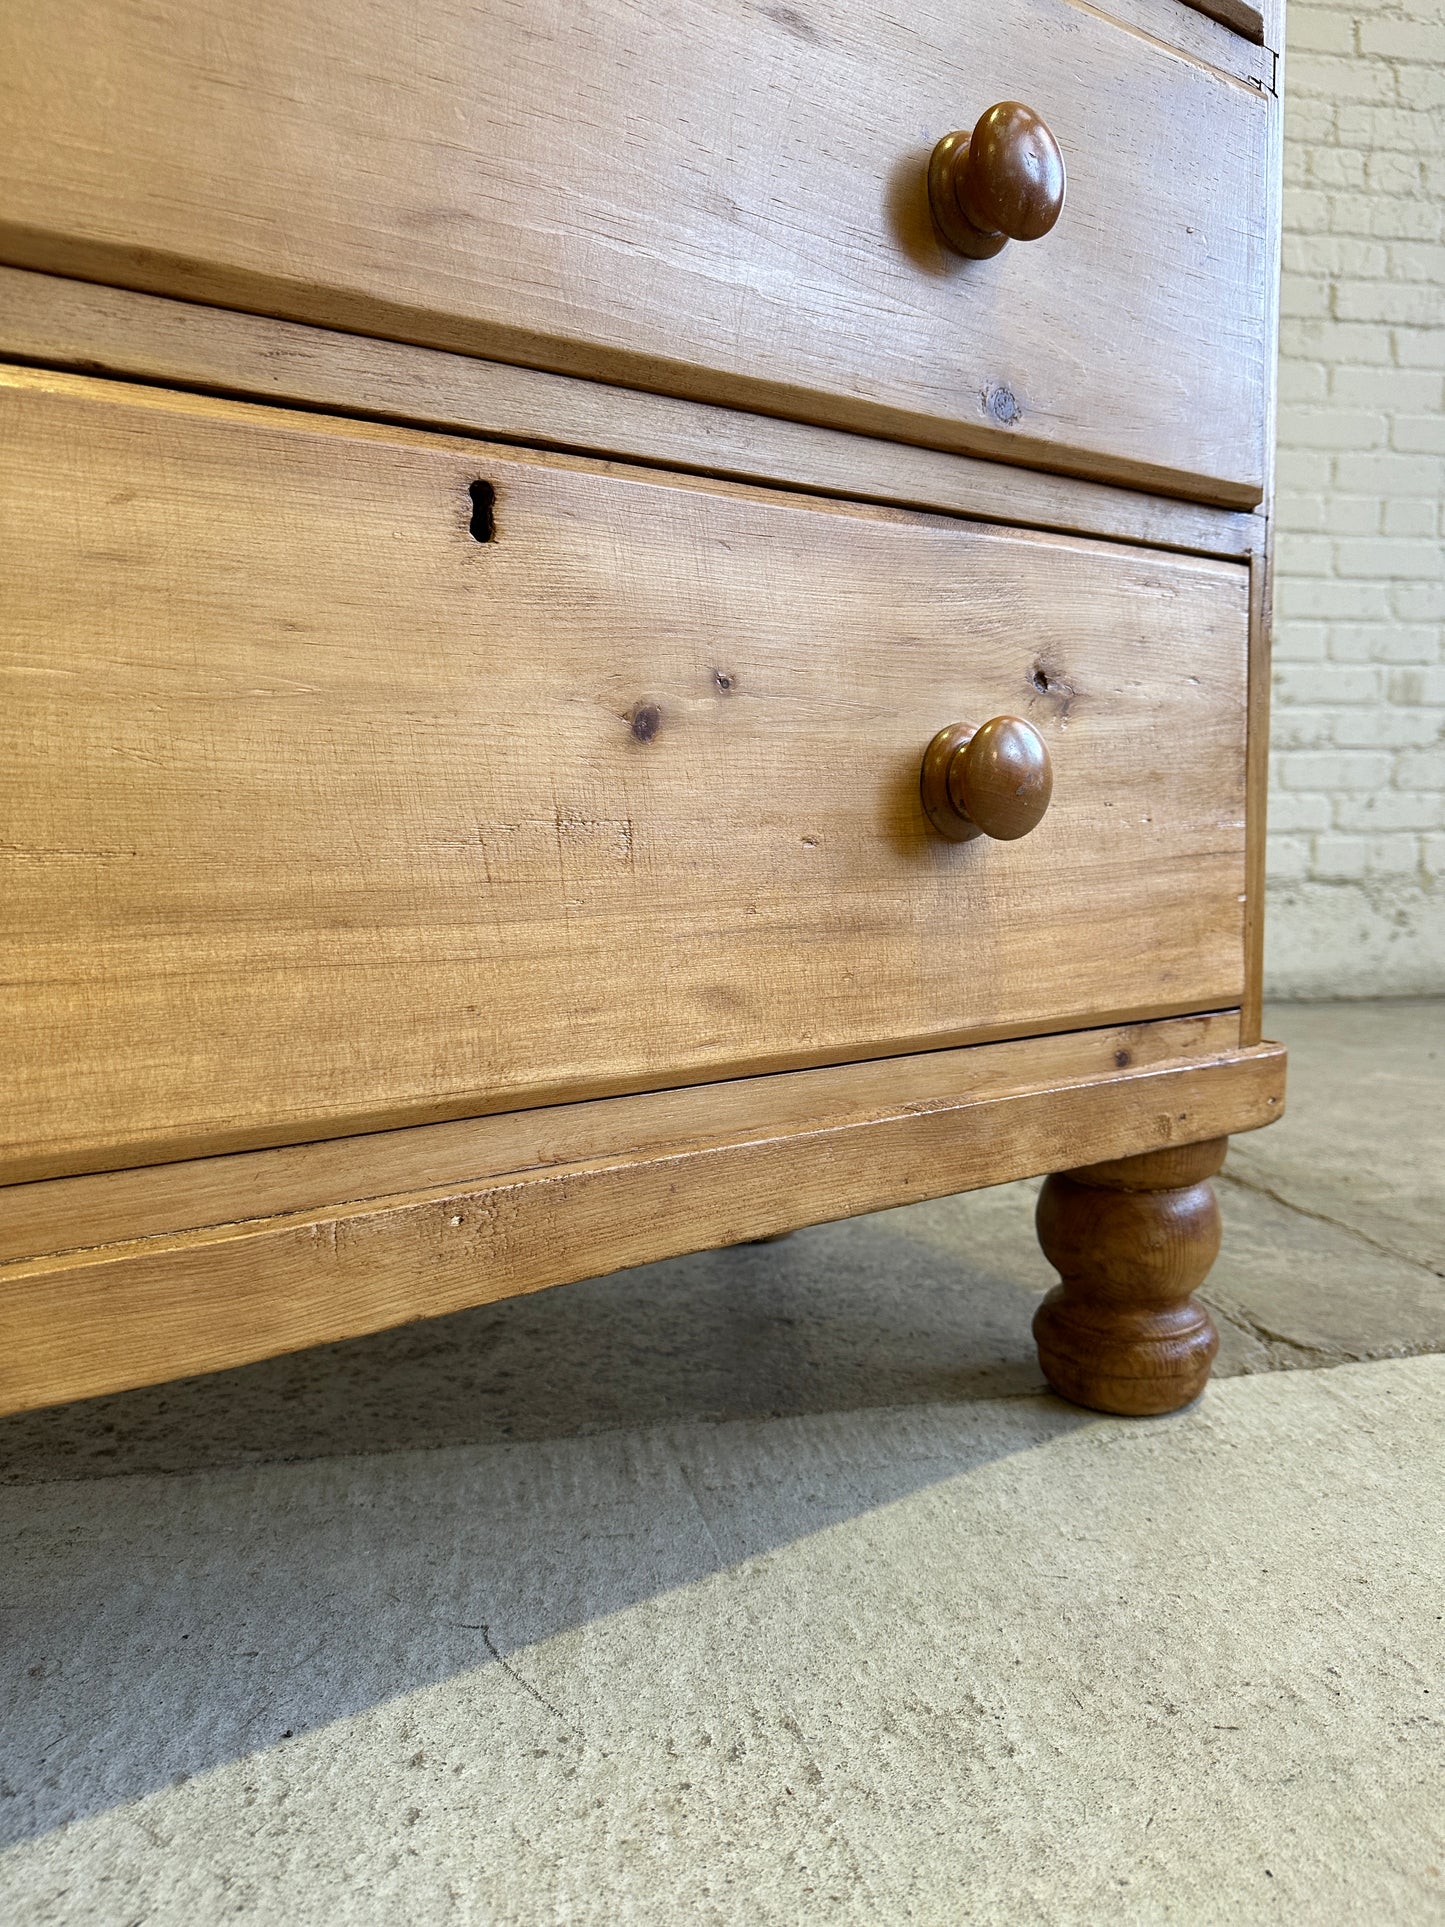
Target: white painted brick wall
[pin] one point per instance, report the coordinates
(1357, 804)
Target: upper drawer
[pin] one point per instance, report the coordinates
(319, 815)
(711, 198)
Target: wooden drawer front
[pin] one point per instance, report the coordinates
(320, 815)
(707, 198)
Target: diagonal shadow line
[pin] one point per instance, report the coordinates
(214, 1616)
(580, 1452)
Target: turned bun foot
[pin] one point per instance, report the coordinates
(1130, 1240)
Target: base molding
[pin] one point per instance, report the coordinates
(132, 1277)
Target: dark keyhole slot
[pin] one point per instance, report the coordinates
(484, 498)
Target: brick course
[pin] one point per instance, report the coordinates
(1357, 810)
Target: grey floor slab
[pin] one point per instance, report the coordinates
(970, 1661)
(1363, 1144)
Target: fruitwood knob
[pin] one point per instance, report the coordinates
(992, 781)
(1003, 182)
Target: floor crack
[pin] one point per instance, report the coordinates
(1237, 1315)
(510, 1670)
(1323, 1217)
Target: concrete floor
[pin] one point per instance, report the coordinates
(769, 1585)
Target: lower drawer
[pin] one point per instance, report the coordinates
(354, 777)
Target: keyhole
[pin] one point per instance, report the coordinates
(484, 498)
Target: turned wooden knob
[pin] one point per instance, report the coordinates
(993, 781)
(1003, 182)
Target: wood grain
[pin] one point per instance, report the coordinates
(77, 325)
(321, 816)
(55, 1215)
(671, 200)
(1257, 793)
(1241, 15)
(1261, 632)
(1233, 47)
(98, 1320)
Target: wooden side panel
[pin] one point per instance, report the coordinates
(101, 1319)
(321, 815)
(1257, 792)
(705, 199)
(1261, 616)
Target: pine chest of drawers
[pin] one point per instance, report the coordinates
(623, 631)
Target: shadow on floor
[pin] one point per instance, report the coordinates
(929, 1303)
(161, 1627)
